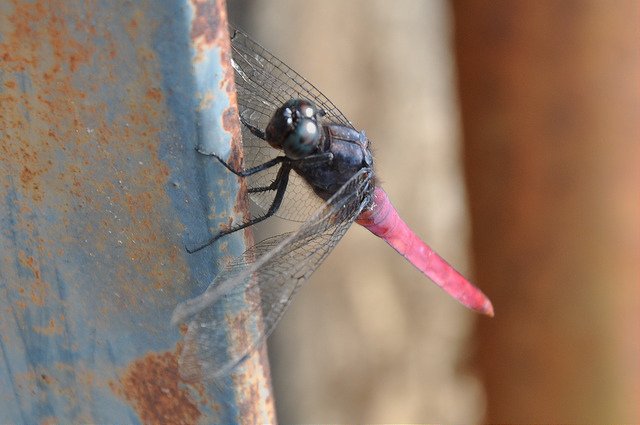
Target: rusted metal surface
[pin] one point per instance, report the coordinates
(153, 387)
(101, 107)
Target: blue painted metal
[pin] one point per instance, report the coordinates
(101, 106)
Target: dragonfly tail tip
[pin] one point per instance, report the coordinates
(487, 309)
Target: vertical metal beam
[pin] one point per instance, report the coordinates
(101, 107)
(550, 102)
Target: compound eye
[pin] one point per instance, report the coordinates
(307, 111)
(303, 140)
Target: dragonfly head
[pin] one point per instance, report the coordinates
(294, 128)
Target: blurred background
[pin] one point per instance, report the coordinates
(506, 134)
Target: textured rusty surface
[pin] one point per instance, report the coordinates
(550, 101)
(250, 383)
(101, 107)
(153, 385)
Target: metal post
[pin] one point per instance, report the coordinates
(101, 107)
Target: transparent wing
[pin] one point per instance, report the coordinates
(264, 83)
(261, 284)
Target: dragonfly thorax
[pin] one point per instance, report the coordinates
(294, 128)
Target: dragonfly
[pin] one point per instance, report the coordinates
(304, 162)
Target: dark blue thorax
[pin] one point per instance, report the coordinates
(350, 154)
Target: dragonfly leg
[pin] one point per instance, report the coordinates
(281, 182)
(254, 130)
(315, 159)
(272, 186)
(249, 171)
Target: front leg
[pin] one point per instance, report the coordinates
(249, 171)
(254, 130)
(321, 158)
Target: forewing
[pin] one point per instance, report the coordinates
(264, 83)
(260, 284)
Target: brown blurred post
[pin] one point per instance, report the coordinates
(550, 94)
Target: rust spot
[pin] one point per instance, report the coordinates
(154, 94)
(152, 385)
(231, 123)
(206, 27)
(38, 289)
(133, 25)
(52, 328)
